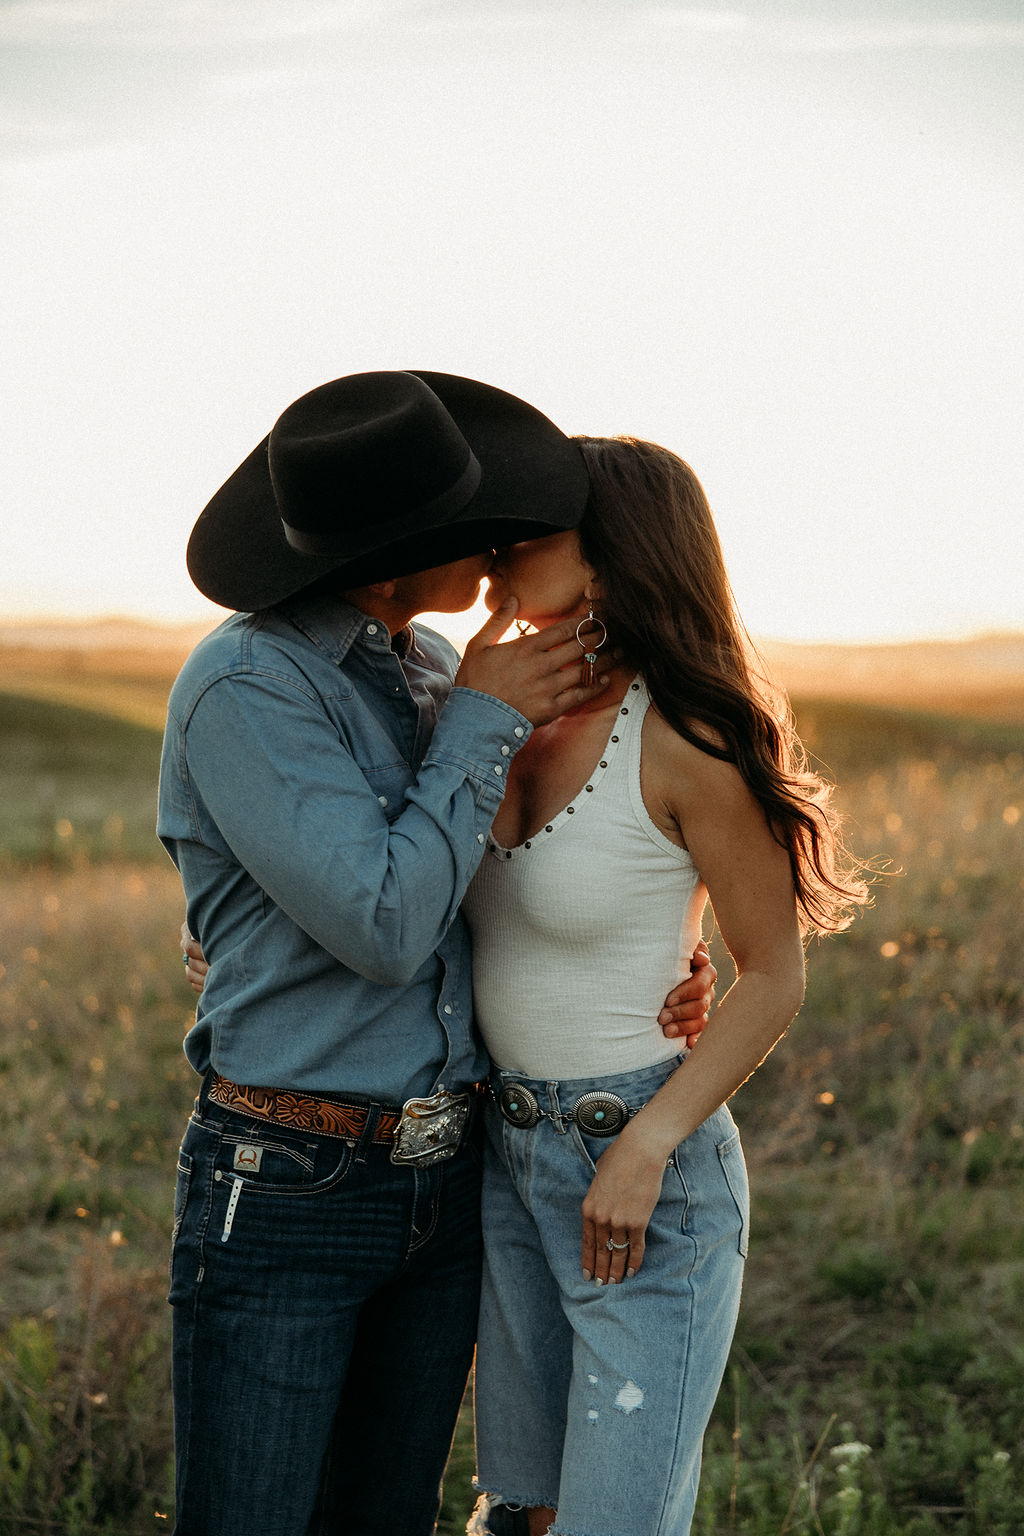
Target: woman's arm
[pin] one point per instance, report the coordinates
(750, 885)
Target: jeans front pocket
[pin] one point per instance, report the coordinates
(730, 1155)
(190, 1216)
(266, 1172)
(181, 1190)
(589, 1147)
(268, 1164)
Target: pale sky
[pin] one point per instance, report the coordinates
(783, 239)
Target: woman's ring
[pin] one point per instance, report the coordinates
(187, 961)
(615, 1247)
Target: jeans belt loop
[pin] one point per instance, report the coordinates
(368, 1132)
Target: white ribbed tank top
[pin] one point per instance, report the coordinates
(580, 932)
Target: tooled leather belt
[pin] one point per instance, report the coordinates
(304, 1111)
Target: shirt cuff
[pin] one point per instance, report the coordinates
(480, 735)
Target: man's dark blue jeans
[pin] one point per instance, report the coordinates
(325, 1306)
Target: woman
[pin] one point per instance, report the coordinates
(615, 1202)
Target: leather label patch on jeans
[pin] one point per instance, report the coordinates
(248, 1157)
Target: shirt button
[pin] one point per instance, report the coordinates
(479, 837)
(497, 768)
(505, 751)
(447, 1007)
(382, 799)
(371, 629)
(519, 731)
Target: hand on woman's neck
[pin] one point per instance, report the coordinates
(619, 679)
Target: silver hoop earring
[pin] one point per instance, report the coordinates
(590, 647)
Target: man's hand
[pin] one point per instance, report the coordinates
(538, 675)
(195, 961)
(686, 1009)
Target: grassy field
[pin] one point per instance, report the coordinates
(876, 1387)
(76, 785)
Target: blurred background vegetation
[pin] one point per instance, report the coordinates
(876, 1386)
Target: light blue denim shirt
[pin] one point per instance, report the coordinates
(327, 799)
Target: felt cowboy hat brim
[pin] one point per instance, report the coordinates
(378, 475)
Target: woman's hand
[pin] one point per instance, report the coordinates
(195, 961)
(617, 1207)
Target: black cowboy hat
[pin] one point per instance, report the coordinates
(377, 475)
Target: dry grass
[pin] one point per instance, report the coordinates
(885, 1137)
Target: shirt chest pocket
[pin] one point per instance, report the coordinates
(389, 784)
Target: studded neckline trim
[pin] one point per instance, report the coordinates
(537, 839)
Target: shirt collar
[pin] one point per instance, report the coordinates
(335, 626)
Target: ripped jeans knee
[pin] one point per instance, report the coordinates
(490, 1519)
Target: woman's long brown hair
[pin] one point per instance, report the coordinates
(649, 534)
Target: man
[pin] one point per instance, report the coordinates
(326, 794)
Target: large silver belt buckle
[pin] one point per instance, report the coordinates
(430, 1129)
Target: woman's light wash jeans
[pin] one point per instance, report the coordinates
(594, 1399)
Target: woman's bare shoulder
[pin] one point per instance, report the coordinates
(686, 775)
(665, 745)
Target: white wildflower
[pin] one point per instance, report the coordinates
(851, 1450)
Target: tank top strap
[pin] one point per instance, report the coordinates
(634, 758)
(629, 729)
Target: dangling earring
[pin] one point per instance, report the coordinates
(590, 647)
(524, 626)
